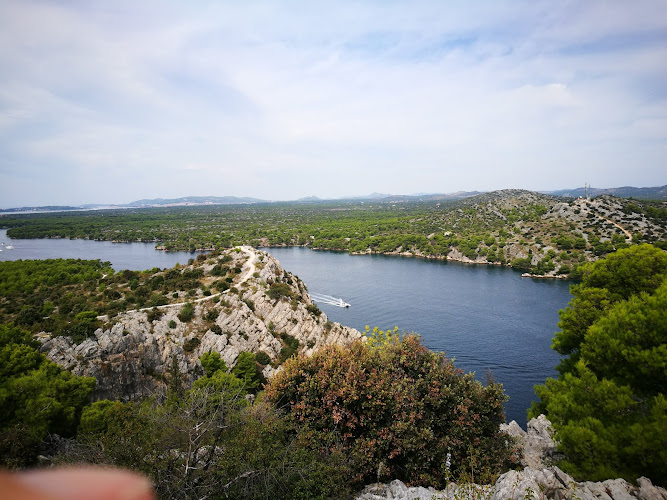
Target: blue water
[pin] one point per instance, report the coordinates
(488, 318)
(133, 256)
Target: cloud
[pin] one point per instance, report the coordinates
(181, 98)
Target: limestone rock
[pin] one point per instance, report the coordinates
(132, 357)
(649, 492)
(537, 444)
(529, 484)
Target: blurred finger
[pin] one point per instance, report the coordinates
(75, 484)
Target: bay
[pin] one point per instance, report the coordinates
(133, 256)
(489, 318)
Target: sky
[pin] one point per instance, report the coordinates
(111, 102)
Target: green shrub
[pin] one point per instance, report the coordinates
(187, 312)
(154, 314)
(216, 329)
(245, 369)
(191, 344)
(172, 324)
(291, 341)
(279, 290)
(396, 411)
(211, 315)
(37, 398)
(211, 362)
(313, 309)
(262, 358)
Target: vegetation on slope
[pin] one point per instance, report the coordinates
(37, 398)
(387, 410)
(396, 410)
(537, 233)
(608, 406)
(65, 296)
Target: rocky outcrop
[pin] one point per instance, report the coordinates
(534, 482)
(539, 448)
(529, 484)
(132, 356)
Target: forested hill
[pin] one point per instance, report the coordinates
(541, 234)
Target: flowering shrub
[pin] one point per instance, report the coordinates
(397, 411)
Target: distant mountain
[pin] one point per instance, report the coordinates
(54, 208)
(647, 193)
(194, 200)
(415, 197)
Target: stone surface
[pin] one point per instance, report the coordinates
(534, 482)
(539, 449)
(529, 484)
(132, 357)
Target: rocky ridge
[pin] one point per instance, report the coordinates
(133, 355)
(535, 481)
(545, 230)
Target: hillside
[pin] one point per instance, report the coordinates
(236, 301)
(541, 234)
(645, 193)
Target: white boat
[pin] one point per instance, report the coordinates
(9, 247)
(328, 299)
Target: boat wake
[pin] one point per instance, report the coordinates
(328, 299)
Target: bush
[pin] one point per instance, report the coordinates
(216, 329)
(279, 290)
(211, 315)
(522, 263)
(396, 411)
(313, 309)
(211, 362)
(246, 370)
(187, 312)
(172, 324)
(37, 398)
(191, 344)
(262, 358)
(154, 314)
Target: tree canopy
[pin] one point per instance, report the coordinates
(395, 410)
(37, 397)
(608, 406)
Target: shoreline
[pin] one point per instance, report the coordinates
(449, 257)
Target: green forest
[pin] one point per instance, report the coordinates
(327, 424)
(521, 229)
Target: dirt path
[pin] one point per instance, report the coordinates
(252, 258)
(627, 233)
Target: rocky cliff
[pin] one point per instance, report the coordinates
(265, 309)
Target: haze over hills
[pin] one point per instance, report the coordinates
(646, 193)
